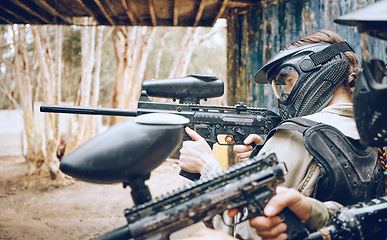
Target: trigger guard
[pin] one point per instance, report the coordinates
(227, 144)
(242, 218)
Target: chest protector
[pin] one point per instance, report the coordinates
(349, 171)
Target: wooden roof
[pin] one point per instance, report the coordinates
(118, 12)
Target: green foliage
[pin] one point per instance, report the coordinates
(72, 58)
(72, 46)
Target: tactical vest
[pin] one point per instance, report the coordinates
(349, 171)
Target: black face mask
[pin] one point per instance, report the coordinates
(286, 111)
(370, 103)
(314, 91)
(321, 68)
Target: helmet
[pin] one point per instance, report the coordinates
(305, 78)
(370, 103)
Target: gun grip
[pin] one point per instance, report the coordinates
(256, 149)
(189, 175)
(295, 229)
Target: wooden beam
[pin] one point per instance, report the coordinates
(31, 11)
(152, 12)
(105, 11)
(246, 3)
(221, 11)
(175, 13)
(17, 13)
(199, 13)
(4, 16)
(88, 10)
(55, 12)
(129, 11)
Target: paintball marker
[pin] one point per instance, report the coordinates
(361, 221)
(209, 121)
(248, 185)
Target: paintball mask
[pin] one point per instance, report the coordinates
(370, 103)
(305, 78)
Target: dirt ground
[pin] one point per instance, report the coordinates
(79, 211)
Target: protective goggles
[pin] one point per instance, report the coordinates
(284, 81)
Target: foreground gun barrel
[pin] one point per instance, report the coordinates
(361, 221)
(122, 233)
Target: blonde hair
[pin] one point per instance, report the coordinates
(332, 37)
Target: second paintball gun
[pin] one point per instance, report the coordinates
(360, 221)
(209, 121)
(247, 185)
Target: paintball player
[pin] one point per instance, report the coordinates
(313, 79)
(370, 101)
(369, 98)
(370, 110)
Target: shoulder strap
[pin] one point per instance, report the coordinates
(294, 124)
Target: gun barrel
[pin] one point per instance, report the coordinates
(88, 110)
(363, 220)
(122, 233)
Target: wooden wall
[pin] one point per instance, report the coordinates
(257, 34)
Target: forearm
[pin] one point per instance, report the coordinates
(211, 167)
(321, 213)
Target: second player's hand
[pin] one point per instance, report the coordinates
(243, 152)
(271, 226)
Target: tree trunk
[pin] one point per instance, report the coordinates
(183, 56)
(146, 35)
(190, 41)
(94, 124)
(50, 68)
(83, 131)
(67, 81)
(34, 155)
(132, 45)
(160, 53)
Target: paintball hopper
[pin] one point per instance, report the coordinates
(189, 89)
(128, 150)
